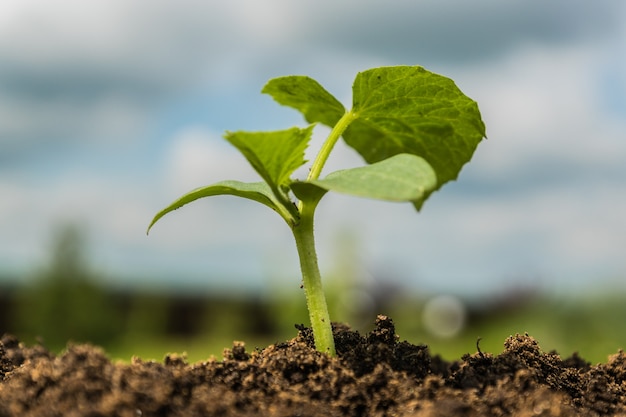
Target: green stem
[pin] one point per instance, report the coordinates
(305, 242)
(331, 140)
(312, 281)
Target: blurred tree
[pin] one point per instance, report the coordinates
(147, 315)
(64, 302)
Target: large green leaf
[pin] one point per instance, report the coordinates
(274, 155)
(408, 109)
(257, 191)
(402, 177)
(307, 96)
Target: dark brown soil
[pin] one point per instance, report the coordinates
(373, 375)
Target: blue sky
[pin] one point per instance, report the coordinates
(111, 109)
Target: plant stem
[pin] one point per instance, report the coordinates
(331, 140)
(305, 242)
(312, 281)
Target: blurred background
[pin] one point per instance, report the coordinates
(109, 110)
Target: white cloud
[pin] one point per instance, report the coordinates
(541, 109)
(72, 55)
(198, 157)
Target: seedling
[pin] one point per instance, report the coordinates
(415, 129)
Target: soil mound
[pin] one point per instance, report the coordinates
(373, 375)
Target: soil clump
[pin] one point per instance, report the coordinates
(373, 375)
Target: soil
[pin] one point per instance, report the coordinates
(373, 375)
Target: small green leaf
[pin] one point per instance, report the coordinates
(408, 109)
(274, 155)
(307, 96)
(402, 177)
(257, 191)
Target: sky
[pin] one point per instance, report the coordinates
(109, 110)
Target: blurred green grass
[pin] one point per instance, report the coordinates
(150, 326)
(593, 327)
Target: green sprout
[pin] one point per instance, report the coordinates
(415, 130)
